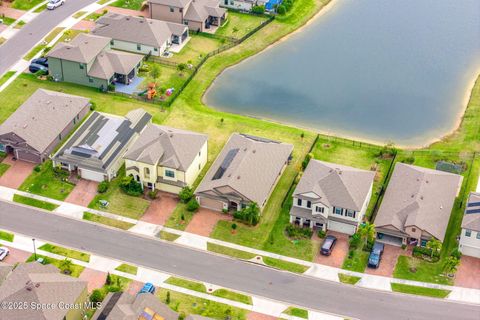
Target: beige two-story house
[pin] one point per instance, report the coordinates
(167, 159)
(332, 197)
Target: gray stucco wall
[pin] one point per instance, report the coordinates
(69, 71)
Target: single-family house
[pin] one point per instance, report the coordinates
(45, 119)
(333, 197)
(417, 205)
(166, 159)
(88, 60)
(139, 34)
(48, 294)
(198, 15)
(242, 5)
(95, 151)
(246, 171)
(470, 235)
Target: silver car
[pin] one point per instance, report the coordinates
(3, 253)
(52, 4)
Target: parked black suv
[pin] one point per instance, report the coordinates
(375, 255)
(328, 244)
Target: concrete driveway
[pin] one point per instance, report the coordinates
(338, 254)
(205, 220)
(83, 193)
(161, 208)
(388, 262)
(17, 173)
(468, 273)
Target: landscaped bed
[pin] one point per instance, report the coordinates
(422, 291)
(69, 253)
(34, 202)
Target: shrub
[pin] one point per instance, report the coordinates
(298, 232)
(192, 205)
(96, 296)
(409, 160)
(234, 226)
(131, 187)
(388, 151)
(93, 106)
(249, 215)
(321, 234)
(186, 194)
(456, 253)
(37, 168)
(306, 160)
(103, 186)
(153, 194)
(111, 87)
(368, 246)
(404, 246)
(426, 254)
(350, 254)
(281, 9)
(258, 9)
(355, 240)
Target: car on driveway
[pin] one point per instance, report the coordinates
(35, 67)
(41, 61)
(375, 255)
(3, 253)
(147, 288)
(328, 245)
(53, 4)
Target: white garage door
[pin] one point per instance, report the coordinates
(470, 251)
(92, 175)
(341, 227)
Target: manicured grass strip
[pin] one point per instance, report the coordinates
(6, 76)
(78, 14)
(297, 312)
(234, 296)
(285, 265)
(102, 1)
(20, 24)
(421, 291)
(357, 262)
(3, 167)
(229, 251)
(127, 268)
(34, 202)
(183, 303)
(164, 235)
(41, 8)
(74, 254)
(75, 269)
(43, 45)
(6, 236)
(344, 278)
(187, 284)
(94, 16)
(411, 268)
(107, 221)
(25, 4)
(8, 21)
(34, 52)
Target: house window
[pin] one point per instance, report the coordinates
(185, 22)
(155, 49)
(309, 204)
(468, 233)
(423, 242)
(299, 202)
(414, 229)
(319, 209)
(90, 80)
(146, 173)
(180, 10)
(81, 66)
(170, 173)
(350, 213)
(478, 235)
(338, 211)
(2, 147)
(139, 46)
(112, 42)
(172, 9)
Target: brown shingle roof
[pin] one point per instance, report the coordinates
(107, 63)
(83, 48)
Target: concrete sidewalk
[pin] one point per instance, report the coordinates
(200, 242)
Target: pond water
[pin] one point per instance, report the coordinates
(381, 70)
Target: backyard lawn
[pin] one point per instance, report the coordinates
(48, 183)
(119, 202)
(25, 4)
(239, 24)
(34, 202)
(196, 48)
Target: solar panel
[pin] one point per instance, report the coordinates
(225, 164)
(473, 211)
(473, 204)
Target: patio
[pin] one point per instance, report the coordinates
(129, 88)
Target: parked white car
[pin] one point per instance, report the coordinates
(52, 4)
(3, 253)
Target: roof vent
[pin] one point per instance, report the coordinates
(127, 18)
(238, 177)
(245, 149)
(441, 207)
(421, 197)
(254, 151)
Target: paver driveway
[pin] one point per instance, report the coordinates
(468, 273)
(259, 316)
(96, 279)
(205, 220)
(83, 193)
(388, 262)
(16, 256)
(17, 173)
(160, 209)
(338, 253)
(134, 287)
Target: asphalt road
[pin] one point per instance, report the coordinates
(26, 38)
(313, 293)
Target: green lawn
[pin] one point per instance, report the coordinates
(117, 283)
(120, 203)
(8, 21)
(41, 8)
(231, 295)
(47, 183)
(25, 4)
(34, 202)
(285, 265)
(344, 278)
(187, 284)
(127, 268)
(196, 48)
(187, 304)
(69, 253)
(239, 24)
(164, 235)
(6, 76)
(3, 168)
(421, 291)
(175, 220)
(107, 221)
(297, 312)
(128, 4)
(76, 269)
(358, 262)
(6, 236)
(78, 14)
(419, 270)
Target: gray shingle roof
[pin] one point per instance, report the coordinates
(419, 197)
(107, 63)
(336, 185)
(83, 48)
(471, 218)
(252, 169)
(4, 271)
(200, 10)
(102, 139)
(37, 283)
(165, 146)
(149, 32)
(44, 115)
(173, 3)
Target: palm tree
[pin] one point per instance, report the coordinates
(434, 245)
(451, 264)
(66, 266)
(367, 231)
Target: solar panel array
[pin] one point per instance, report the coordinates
(225, 164)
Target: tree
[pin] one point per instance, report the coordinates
(250, 214)
(307, 159)
(258, 9)
(66, 266)
(281, 9)
(96, 296)
(222, 120)
(367, 232)
(108, 280)
(130, 186)
(185, 194)
(450, 265)
(434, 245)
(234, 227)
(167, 300)
(155, 72)
(192, 205)
(181, 67)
